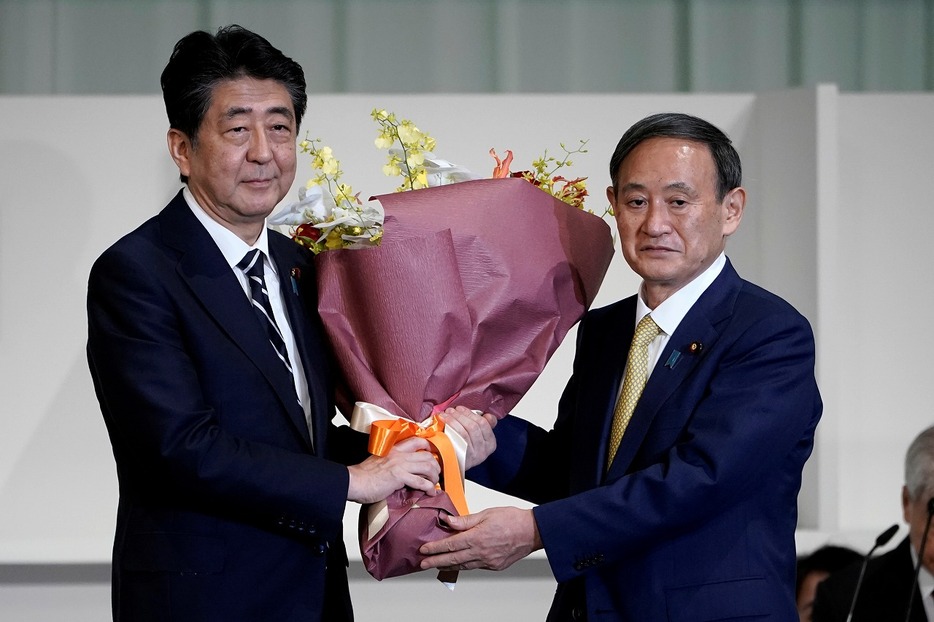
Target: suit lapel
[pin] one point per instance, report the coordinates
(698, 326)
(298, 282)
(204, 269)
(603, 348)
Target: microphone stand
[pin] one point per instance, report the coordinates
(924, 539)
(884, 537)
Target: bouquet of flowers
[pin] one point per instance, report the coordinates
(446, 306)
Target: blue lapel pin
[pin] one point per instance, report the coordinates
(294, 276)
(695, 348)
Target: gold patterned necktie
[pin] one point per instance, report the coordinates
(637, 373)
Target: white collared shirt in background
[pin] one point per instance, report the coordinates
(233, 249)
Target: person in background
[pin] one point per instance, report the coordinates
(212, 371)
(814, 568)
(679, 501)
(888, 582)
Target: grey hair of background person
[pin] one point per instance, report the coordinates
(919, 465)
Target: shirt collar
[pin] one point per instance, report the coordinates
(669, 314)
(230, 245)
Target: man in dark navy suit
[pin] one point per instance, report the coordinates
(212, 372)
(677, 501)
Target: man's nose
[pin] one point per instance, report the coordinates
(260, 150)
(657, 221)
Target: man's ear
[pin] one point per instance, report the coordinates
(611, 196)
(180, 148)
(733, 205)
(906, 504)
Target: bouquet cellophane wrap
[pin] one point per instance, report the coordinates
(474, 287)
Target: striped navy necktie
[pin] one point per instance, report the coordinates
(252, 266)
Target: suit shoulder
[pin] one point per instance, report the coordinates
(284, 246)
(890, 568)
(757, 301)
(611, 312)
(757, 292)
(148, 236)
(133, 243)
(141, 252)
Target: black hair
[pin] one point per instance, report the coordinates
(678, 125)
(828, 559)
(200, 61)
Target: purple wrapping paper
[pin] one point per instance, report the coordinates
(412, 519)
(473, 289)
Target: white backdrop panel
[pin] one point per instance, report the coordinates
(78, 172)
(81, 171)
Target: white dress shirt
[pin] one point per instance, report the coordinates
(668, 315)
(233, 249)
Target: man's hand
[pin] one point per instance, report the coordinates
(493, 539)
(476, 429)
(409, 463)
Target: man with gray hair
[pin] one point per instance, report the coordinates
(888, 585)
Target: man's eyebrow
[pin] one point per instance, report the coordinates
(632, 186)
(234, 111)
(675, 185)
(682, 186)
(285, 111)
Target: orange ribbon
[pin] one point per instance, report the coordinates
(385, 434)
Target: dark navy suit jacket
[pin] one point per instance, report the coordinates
(226, 512)
(695, 519)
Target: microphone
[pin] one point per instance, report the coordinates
(883, 538)
(924, 539)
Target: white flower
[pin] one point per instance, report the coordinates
(368, 216)
(439, 172)
(315, 204)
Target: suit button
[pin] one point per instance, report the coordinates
(321, 549)
(577, 613)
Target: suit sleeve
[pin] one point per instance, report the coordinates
(169, 442)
